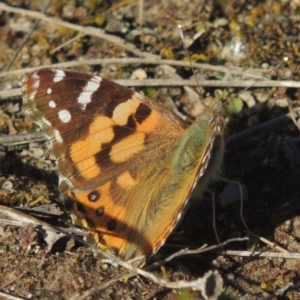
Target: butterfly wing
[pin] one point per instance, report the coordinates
(127, 165)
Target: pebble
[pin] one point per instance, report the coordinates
(138, 74)
(7, 185)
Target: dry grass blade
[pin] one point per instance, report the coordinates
(84, 30)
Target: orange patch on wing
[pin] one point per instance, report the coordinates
(124, 110)
(88, 168)
(83, 152)
(128, 147)
(125, 181)
(149, 124)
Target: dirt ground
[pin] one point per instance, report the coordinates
(234, 41)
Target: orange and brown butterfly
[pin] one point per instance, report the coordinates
(127, 165)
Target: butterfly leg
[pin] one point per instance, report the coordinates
(213, 200)
(241, 196)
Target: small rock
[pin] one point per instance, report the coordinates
(271, 103)
(38, 152)
(116, 26)
(68, 11)
(104, 267)
(248, 98)
(138, 74)
(7, 185)
(282, 102)
(221, 22)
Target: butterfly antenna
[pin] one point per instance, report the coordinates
(284, 60)
(181, 33)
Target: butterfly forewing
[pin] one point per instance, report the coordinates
(127, 165)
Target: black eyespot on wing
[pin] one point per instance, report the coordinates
(111, 225)
(100, 211)
(94, 196)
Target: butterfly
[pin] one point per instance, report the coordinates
(127, 165)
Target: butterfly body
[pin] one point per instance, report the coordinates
(127, 165)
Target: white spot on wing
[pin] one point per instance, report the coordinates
(36, 79)
(35, 76)
(49, 91)
(52, 104)
(32, 95)
(36, 84)
(59, 75)
(86, 95)
(64, 115)
(57, 136)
